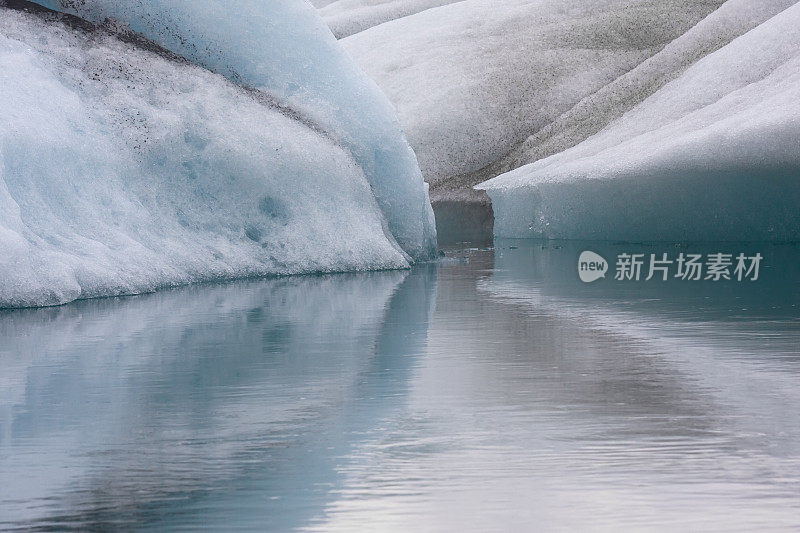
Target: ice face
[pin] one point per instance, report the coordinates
(473, 79)
(713, 155)
(284, 50)
(122, 171)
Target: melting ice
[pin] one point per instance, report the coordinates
(125, 169)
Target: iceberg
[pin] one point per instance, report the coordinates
(283, 49)
(125, 168)
(472, 80)
(712, 155)
(731, 20)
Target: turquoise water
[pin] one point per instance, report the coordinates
(490, 391)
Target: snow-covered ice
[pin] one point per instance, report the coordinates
(713, 155)
(123, 170)
(283, 49)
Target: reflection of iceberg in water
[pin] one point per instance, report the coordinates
(545, 273)
(528, 410)
(737, 339)
(149, 409)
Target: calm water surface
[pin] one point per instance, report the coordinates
(492, 391)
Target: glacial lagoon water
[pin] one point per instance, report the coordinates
(491, 391)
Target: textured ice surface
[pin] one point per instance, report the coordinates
(122, 171)
(473, 79)
(713, 155)
(283, 49)
(346, 17)
(593, 113)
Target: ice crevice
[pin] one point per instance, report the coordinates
(483, 88)
(511, 95)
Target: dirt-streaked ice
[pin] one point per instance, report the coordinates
(473, 79)
(123, 171)
(713, 155)
(283, 49)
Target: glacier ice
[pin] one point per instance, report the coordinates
(473, 79)
(713, 155)
(283, 49)
(123, 171)
(346, 17)
(593, 113)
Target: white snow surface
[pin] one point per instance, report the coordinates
(123, 171)
(713, 155)
(284, 49)
(473, 79)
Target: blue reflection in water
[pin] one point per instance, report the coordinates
(742, 313)
(219, 405)
(493, 391)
